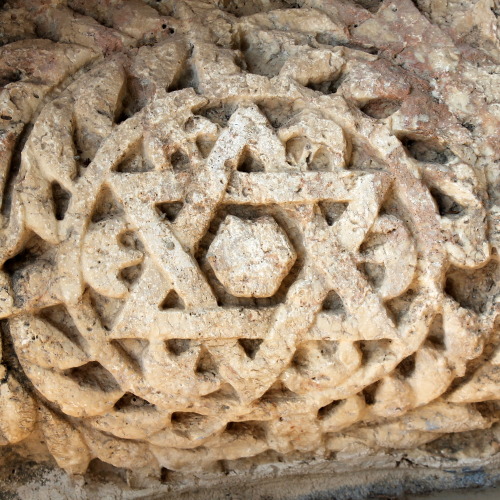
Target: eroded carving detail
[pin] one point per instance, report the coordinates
(209, 253)
(243, 252)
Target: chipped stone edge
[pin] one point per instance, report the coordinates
(383, 475)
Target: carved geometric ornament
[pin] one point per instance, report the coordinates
(205, 259)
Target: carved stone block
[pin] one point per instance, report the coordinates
(234, 230)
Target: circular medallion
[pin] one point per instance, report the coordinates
(217, 252)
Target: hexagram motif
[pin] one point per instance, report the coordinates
(119, 329)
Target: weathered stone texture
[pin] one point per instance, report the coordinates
(236, 229)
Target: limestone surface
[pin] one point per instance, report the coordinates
(251, 258)
(247, 230)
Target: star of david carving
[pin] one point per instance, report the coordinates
(173, 324)
(170, 265)
(197, 275)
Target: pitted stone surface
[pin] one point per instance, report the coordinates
(244, 231)
(251, 258)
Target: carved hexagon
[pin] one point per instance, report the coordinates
(251, 257)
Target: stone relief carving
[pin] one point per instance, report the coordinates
(230, 228)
